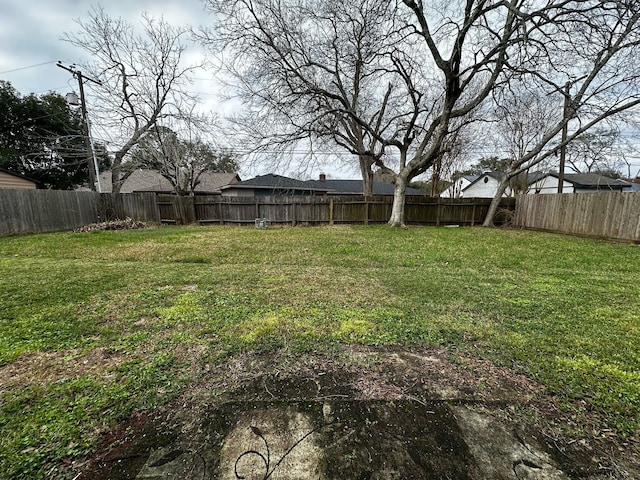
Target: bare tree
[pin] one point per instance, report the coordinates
(595, 151)
(435, 64)
(142, 78)
(464, 46)
(590, 67)
(321, 72)
(181, 161)
(428, 65)
(455, 150)
(520, 116)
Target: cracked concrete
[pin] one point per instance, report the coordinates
(372, 440)
(380, 417)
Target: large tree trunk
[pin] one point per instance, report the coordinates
(495, 202)
(435, 178)
(116, 173)
(399, 197)
(367, 175)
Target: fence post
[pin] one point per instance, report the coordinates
(293, 213)
(331, 211)
(366, 211)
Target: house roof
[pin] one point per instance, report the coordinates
(470, 178)
(276, 182)
(146, 180)
(336, 187)
(529, 178)
(19, 175)
(272, 180)
(635, 183)
(354, 187)
(592, 180)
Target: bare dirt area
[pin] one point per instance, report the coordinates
(364, 413)
(49, 367)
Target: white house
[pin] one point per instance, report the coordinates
(579, 183)
(485, 186)
(456, 188)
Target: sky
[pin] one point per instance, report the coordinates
(31, 45)
(30, 32)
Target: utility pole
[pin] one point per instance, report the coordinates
(563, 145)
(94, 173)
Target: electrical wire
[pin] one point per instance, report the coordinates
(27, 67)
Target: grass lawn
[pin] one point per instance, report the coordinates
(95, 326)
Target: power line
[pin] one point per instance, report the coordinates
(27, 67)
(94, 175)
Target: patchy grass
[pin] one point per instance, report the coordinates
(95, 326)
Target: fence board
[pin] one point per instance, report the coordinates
(139, 206)
(614, 215)
(32, 211)
(324, 210)
(47, 210)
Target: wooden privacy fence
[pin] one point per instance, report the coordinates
(612, 215)
(23, 211)
(321, 210)
(38, 211)
(139, 206)
(34, 211)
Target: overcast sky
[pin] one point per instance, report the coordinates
(30, 32)
(30, 46)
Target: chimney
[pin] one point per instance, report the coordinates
(323, 177)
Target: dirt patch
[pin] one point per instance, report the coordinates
(365, 413)
(43, 368)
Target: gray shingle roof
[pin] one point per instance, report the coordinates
(354, 187)
(275, 181)
(145, 180)
(593, 180)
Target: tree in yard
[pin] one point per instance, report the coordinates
(317, 73)
(438, 62)
(429, 67)
(142, 79)
(181, 162)
(42, 137)
(595, 152)
(591, 69)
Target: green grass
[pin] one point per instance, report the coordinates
(145, 306)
